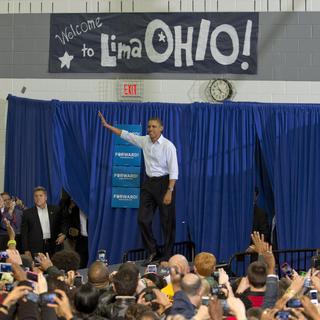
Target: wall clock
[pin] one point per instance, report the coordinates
(220, 90)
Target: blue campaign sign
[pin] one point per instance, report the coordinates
(126, 170)
(127, 156)
(126, 177)
(125, 198)
(134, 128)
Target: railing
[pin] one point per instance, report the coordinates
(298, 259)
(186, 248)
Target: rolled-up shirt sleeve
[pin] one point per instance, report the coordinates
(132, 138)
(172, 162)
(271, 293)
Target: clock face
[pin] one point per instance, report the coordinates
(220, 90)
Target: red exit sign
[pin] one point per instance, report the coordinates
(130, 90)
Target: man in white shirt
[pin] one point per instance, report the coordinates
(43, 229)
(160, 157)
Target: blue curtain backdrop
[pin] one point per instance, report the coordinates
(216, 152)
(221, 175)
(290, 140)
(30, 159)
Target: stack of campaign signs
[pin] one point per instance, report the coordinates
(126, 168)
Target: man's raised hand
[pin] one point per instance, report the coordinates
(103, 120)
(109, 126)
(259, 245)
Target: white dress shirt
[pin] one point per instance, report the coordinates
(160, 158)
(83, 224)
(44, 221)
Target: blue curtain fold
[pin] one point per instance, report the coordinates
(30, 160)
(63, 144)
(290, 142)
(221, 178)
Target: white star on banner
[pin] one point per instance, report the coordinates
(65, 60)
(162, 37)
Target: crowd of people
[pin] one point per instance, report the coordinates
(45, 283)
(44, 227)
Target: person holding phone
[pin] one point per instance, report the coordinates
(12, 214)
(158, 189)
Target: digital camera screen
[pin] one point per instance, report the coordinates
(31, 296)
(313, 295)
(286, 269)
(282, 315)
(48, 298)
(4, 255)
(5, 267)
(294, 303)
(151, 268)
(8, 286)
(32, 276)
(102, 255)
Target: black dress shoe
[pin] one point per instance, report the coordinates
(164, 259)
(153, 257)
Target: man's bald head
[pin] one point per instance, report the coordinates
(98, 274)
(180, 262)
(191, 284)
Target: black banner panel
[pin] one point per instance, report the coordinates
(154, 43)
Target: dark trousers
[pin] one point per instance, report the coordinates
(49, 246)
(82, 249)
(151, 198)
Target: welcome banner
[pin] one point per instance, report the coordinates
(154, 43)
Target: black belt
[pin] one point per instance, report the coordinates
(157, 178)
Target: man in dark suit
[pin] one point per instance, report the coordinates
(77, 226)
(260, 218)
(43, 229)
(259, 223)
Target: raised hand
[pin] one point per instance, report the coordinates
(62, 306)
(259, 245)
(44, 261)
(18, 273)
(215, 309)
(41, 285)
(202, 314)
(309, 308)
(16, 294)
(14, 256)
(316, 280)
(109, 126)
(237, 307)
(243, 285)
(223, 277)
(103, 120)
(269, 259)
(10, 230)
